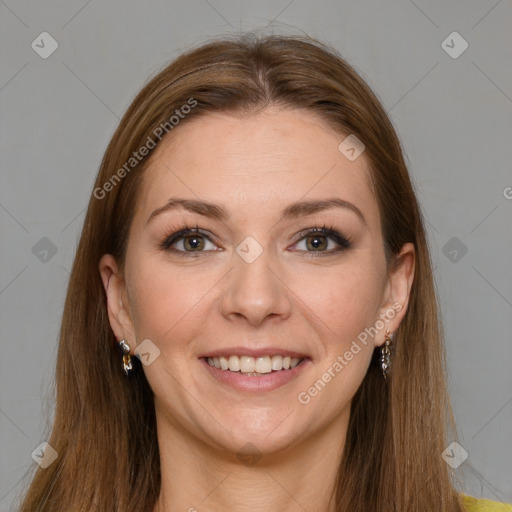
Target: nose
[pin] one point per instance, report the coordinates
(255, 291)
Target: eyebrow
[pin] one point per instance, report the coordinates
(292, 211)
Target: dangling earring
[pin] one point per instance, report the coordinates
(127, 359)
(385, 355)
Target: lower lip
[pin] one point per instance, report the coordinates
(267, 382)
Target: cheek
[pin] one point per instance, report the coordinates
(167, 302)
(343, 305)
(346, 299)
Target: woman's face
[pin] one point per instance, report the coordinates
(254, 281)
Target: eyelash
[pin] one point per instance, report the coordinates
(327, 231)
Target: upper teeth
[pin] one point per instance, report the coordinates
(247, 364)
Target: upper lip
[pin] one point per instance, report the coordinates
(253, 352)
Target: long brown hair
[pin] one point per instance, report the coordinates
(104, 428)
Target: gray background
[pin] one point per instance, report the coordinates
(453, 116)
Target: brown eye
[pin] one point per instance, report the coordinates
(316, 242)
(323, 242)
(188, 240)
(195, 242)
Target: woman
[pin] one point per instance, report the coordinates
(254, 248)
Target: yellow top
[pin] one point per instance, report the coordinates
(481, 505)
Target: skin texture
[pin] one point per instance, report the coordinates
(253, 166)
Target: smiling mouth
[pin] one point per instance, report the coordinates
(254, 366)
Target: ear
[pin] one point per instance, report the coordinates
(118, 307)
(396, 292)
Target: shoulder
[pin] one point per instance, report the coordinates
(473, 504)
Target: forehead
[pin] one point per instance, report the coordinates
(262, 160)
